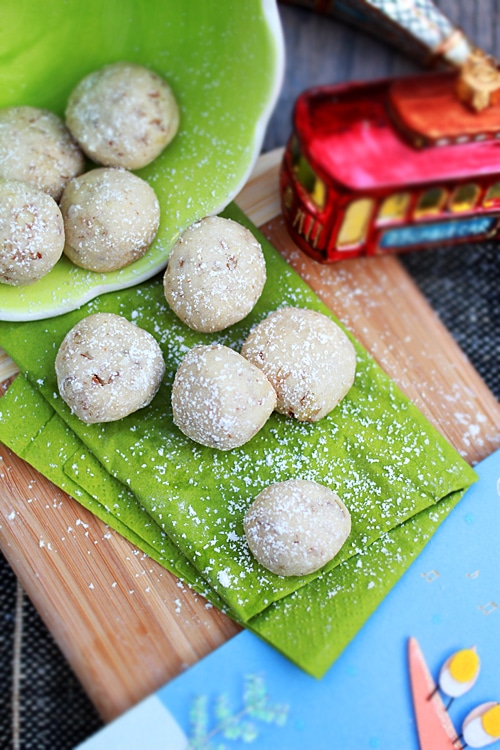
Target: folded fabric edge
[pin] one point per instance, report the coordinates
(179, 565)
(20, 438)
(28, 449)
(55, 432)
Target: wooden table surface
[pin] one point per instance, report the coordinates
(323, 51)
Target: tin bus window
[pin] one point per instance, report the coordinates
(430, 203)
(393, 208)
(464, 198)
(307, 177)
(492, 197)
(355, 224)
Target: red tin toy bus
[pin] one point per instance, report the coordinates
(390, 166)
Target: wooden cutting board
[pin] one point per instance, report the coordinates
(125, 624)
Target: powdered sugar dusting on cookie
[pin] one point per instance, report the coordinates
(36, 147)
(111, 217)
(123, 115)
(108, 368)
(31, 233)
(215, 274)
(308, 359)
(219, 399)
(296, 526)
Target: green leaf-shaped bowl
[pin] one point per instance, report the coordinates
(224, 62)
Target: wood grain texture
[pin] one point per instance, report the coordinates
(125, 625)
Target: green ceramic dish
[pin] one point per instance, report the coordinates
(224, 61)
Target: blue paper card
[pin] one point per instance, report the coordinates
(246, 693)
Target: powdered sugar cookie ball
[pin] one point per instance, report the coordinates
(122, 115)
(111, 217)
(36, 147)
(308, 359)
(215, 274)
(107, 368)
(31, 233)
(295, 527)
(219, 399)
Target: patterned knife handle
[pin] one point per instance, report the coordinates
(417, 27)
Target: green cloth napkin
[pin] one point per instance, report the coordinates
(311, 627)
(376, 450)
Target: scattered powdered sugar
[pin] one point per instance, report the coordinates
(224, 577)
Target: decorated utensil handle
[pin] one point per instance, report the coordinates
(417, 27)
